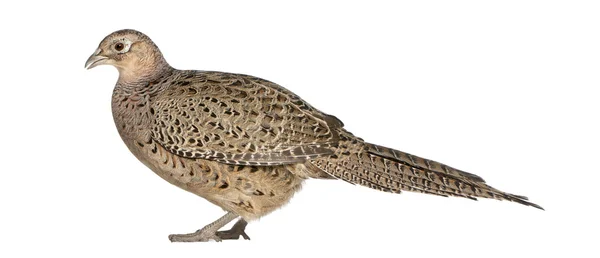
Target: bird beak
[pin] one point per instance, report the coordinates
(95, 59)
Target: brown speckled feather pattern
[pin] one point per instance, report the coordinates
(247, 144)
(390, 170)
(238, 119)
(152, 120)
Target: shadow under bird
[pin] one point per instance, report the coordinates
(247, 144)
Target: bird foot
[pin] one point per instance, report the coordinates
(235, 232)
(198, 236)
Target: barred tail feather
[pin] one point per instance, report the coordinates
(390, 170)
(461, 183)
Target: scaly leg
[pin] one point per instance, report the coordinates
(235, 232)
(208, 232)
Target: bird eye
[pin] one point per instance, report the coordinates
(119, 46)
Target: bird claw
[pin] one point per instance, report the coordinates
(198, 236)
(231, 234)
(235, 232)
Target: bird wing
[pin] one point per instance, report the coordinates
(239, 119)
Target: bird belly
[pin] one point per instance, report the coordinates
(249, 191)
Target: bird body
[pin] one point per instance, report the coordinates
(247, 144)
(249, 191)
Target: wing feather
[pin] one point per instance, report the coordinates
(239, 119)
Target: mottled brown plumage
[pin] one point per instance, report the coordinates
(246, 144)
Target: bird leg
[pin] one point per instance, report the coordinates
(235, 232)
(207, 233)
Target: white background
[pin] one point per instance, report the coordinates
(504, 89)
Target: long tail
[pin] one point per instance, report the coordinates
(390, 170)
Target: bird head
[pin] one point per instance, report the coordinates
(131, 52)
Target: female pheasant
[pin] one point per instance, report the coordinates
(246, 144)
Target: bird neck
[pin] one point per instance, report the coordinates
(143, 70)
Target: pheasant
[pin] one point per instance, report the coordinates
(246, 144)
